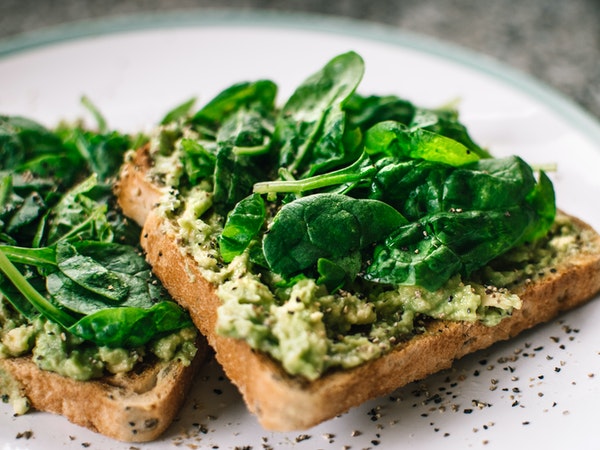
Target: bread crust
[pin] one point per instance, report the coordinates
(137, 406)
(283, 402)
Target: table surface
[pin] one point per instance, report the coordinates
(555, 41)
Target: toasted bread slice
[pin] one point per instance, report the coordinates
(134, 407)
(283, 402)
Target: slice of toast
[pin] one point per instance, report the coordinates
(134, 407)
(283, 402)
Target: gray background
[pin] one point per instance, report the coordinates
(555, 41)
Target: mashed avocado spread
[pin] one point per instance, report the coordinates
(309, 328)
(55, 350)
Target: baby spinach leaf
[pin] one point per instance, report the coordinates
(242, 226)
(246, 95)
(427, 253)
(492, 183)
(395, 139)
(89, 273)
(463, 217)
(328, 226)
(310, 129)
(103, 153)
(79, 213)
(27, 146)
(22, 140)
(236, 172)
(543, 200)
(179, 112)
(335, 274)
(414, 187)
(33, 296)
(364, 112)
(130, 327)
(199, 162)
(42, 258)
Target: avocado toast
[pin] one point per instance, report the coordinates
(86, 330)
(325, 246)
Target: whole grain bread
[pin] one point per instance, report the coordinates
(137, 406)
(283, 402)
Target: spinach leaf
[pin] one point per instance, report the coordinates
(463, 217)
(242, 226)
(179, 112)
(103, 153)
(198, 160)
(27, 146)
(77, 283)
(366, 112)
(236, 171)
(89, 273)
(78, 213)
(309, 132)
(246, 95)
(335, 274)
(429, 252)
(395, 139)
(25, 201)
(18, 282)
(543, 200)
(330, 226)
(130, 327)
(414, 187)
(81, 308)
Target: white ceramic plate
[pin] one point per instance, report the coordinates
(540, 389)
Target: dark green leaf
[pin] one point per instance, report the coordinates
(90, 274)
(246, 95)
(309, 134)
(130, 327)
(325, 226)
(181, 111)
(242, 226)
(198, 161)
(395, 139)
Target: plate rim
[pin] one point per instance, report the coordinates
(562, 105)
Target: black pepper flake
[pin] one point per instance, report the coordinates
(202, 428)
(303, 437)
(25, 434)
(467, 411)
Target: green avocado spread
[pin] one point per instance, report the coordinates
(311, 330)
(53, 349)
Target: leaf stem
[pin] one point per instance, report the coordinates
(355, 172)
(32, 295)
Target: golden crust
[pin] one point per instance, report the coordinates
(133, 407)
(282, 402)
